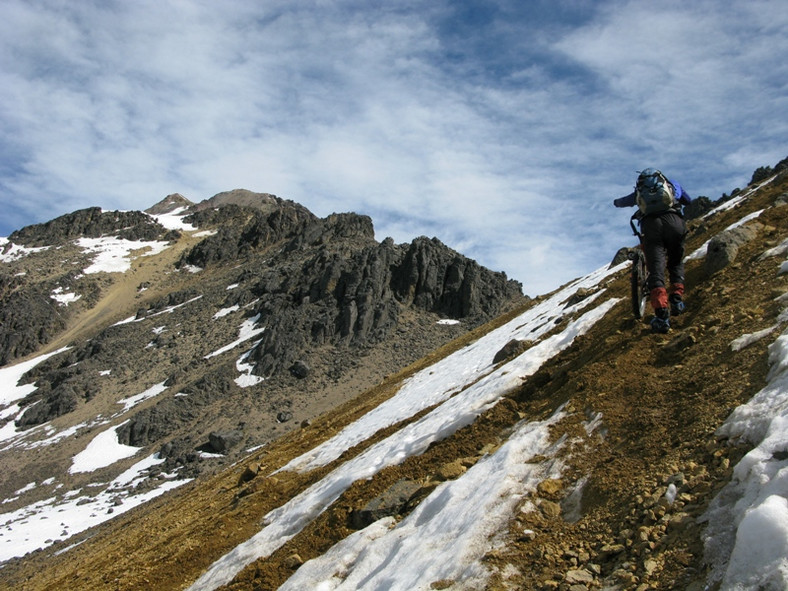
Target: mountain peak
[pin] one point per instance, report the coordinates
(265, 202)
(169, 204)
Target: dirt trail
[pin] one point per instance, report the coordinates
(122, 298)
(661, 398)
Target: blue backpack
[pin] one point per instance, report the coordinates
(653, 192)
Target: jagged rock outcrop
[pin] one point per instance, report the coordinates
(340, 295)
(93, 223)
(28, 318)
(62, 385)
(764, 172)
(240, 231)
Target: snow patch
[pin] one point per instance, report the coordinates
(152, 392)
(10, 252)
(458, 523)
(10, 390)
(246, 331)
(113, 254)
(174, 220)
(225, 311)
(746, 540)
(455, 412)
(104, 450)
(63, 297)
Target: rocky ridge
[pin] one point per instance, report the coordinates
(320, 295)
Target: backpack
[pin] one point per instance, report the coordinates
(653, 192)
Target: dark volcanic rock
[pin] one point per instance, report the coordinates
(61, 385)
(391, 502)
(353, 296)
(223, 441)
(155, 423)
(284, 416)
(698, 207)
(623, 255)
(300, 369)
(510, 350)
(435, 278)
(241, 231)
(28, 319)
(92, 223)
(59, 401)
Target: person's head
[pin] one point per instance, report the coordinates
(649, 177)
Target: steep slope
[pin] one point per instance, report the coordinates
(190, 334)
(626, 414)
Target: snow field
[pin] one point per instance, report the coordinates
(103, 450)
(459, 407)
(446, 536)
(113, 255)
(58, 518)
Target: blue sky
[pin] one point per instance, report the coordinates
(504, 128)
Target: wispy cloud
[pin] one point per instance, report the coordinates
(503, 128)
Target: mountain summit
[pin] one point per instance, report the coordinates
(546, 444)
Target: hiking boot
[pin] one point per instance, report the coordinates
(676, 304)
(660, 325)
(661, 321)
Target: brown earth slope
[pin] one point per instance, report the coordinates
(661, 398)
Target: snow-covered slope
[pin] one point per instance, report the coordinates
(451, 531)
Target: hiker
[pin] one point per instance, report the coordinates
(662, 224)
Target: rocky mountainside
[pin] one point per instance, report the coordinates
(614, 497)
(207, 329)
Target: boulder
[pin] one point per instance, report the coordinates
(724, 247)
(223, 441)
(511, 350)
(300, 369)
(623, 255)
(391, 502)
(284, 416)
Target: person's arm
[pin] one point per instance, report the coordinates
(627, 201)
(681, 195)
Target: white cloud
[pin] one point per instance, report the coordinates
(412, 114)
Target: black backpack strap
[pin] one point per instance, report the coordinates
(636, 217)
